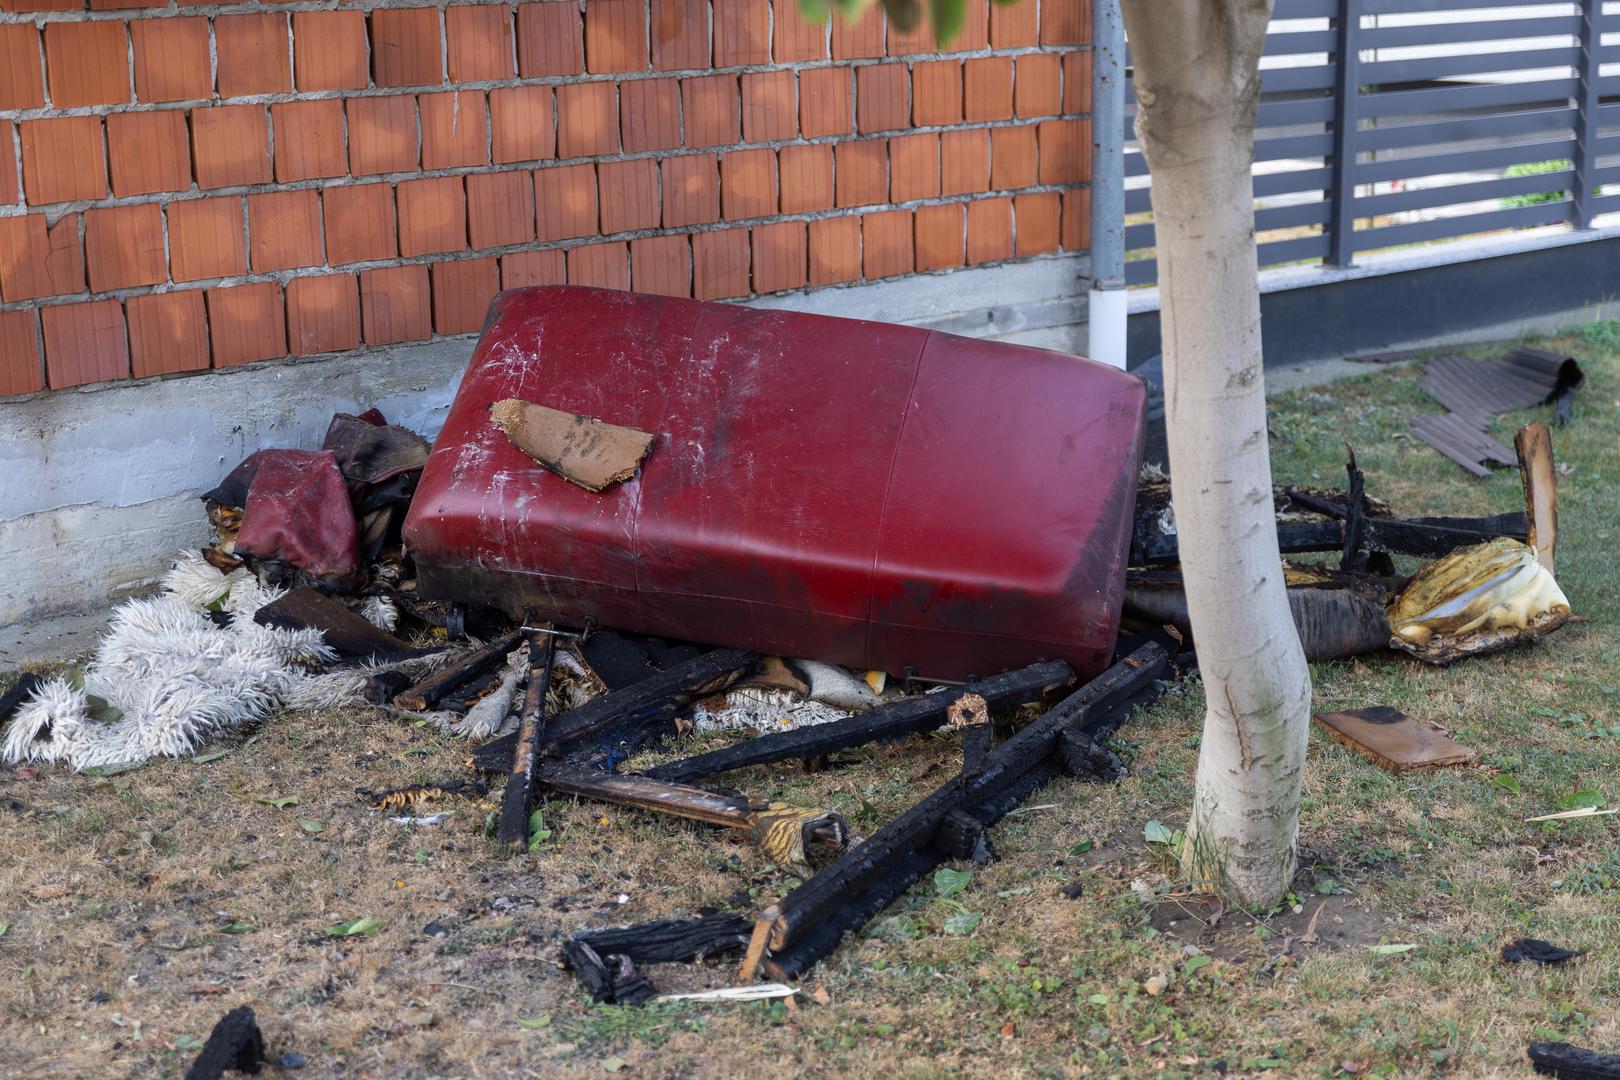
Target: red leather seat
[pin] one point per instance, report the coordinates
(873, 495)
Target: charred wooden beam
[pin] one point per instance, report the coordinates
(513, 826)
(1565, 1062)
(701, 675)
(813, 918)
(668, 941)
(431, 690)
(1395, 536)
(909, 716)
(611, 980)
(345, 632)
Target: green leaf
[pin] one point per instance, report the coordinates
(310, 825)
(538, 833)
(1391, 950)
(1194, 964)
(280, 802)
(543, 1020)
(1082, 847)
(97, 708)
(1507, 782)
(962, 923)
(1586, 798)
(1099, 999)
(1156, 833)
(948, 882)
(421, 856)
(74, 677)
(949, 16)
(238, 928)
(614, 1064)
(353, 927)
(203, 759)
(905, 15)
(4, 926)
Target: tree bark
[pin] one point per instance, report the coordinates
(1197, 84)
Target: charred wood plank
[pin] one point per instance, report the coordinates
(701, 675)
(1566, 1062)
(611, 980)
(1395, 536)
(513, 826)
(924, 712)
(347, 633)
(668, 941)
(433, 689)
(813, 918)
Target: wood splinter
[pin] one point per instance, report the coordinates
(513, 828)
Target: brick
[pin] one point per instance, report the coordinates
(383, 134)
(171, 59)
(769, 112)
(780, 256)
(824, 102)
(565, 202)
(455, 130)
(10, 178)
(284, 230)
(521, 125)
(462, 291)
(1038, 90)
(964, 161)
(806, 178)
(87, 63)
(661, 265)
(1035, 220)
(168, 333)
(742, 33)
(861, 38)
(123, 246)
(63, 159)
(680, 35)
(1065, 22)
(835, 250)
(720, 262)
(432, 216)
(974, 36)
(919, 39)
(85, 343)
(523, 268)
(628, 195)
(886, 240)
(711, 107)
(587, 120)
(862, 172)
(359, 222)
(1012, 157)
(230, 145)
(500, 209)
(603, 266)
(989, 230)
(206, 239)
(549, 41)
(21, 84)
(1013, 26)
(1065, 151)
(914, 167)
(1076, 225)
(25, 6)
(797, 38)
(1077, 82)
(329, 50)
(405, 47)
(747, 184)
(650, 114)
(323, 314)
(936, 88)
(615, 35)
(478, 42)
(939, 236)
(247, 323)
(988, 88)
(881, 97)
(21, 370)
(309, 139)
(395, 305)
(38, 260)
(253, 54)
(148, 152)
(691, 190)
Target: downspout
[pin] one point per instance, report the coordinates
(1106, 298)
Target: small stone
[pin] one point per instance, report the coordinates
(292, 1059)
(1073, 889)
(1156, 985)
(435, 930)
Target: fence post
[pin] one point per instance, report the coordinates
(1586, 115)
(1346, 100)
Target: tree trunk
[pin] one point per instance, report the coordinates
(1197, 82)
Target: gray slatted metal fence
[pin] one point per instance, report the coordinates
(1385, 123)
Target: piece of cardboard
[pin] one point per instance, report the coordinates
(580, 449)
(1394, 740)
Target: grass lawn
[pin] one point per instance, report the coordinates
(137, 908)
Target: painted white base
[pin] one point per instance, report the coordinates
(1106, 327)
(99, 485)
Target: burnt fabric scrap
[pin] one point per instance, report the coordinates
(1477, 600)
(1538, 951)
(235, 1043)
(297, 513)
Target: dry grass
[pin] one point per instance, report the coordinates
(142, 906)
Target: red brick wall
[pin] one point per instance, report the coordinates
(193, 186)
